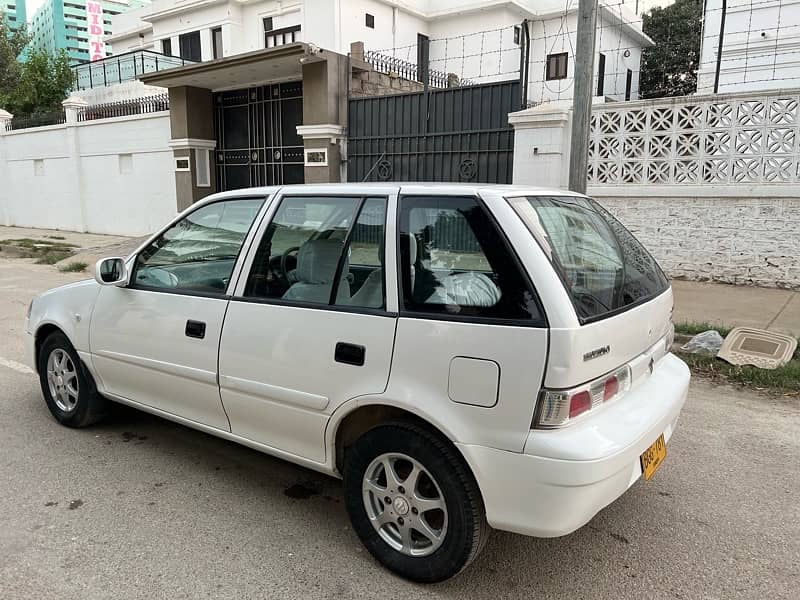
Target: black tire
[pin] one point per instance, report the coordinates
(466, 531)
(90, 406)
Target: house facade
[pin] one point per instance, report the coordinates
(476, 41)
(760, 44)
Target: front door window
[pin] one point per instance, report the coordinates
(197, 254)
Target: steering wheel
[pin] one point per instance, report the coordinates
(285, 260)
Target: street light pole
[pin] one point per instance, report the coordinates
(582, 95)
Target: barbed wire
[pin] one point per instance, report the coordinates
(495, 54)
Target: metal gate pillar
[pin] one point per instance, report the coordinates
(325, 84)
(192, 123)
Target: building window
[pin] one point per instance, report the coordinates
(556, 66)
(202, 167)
(628, 84)
(370, 19)
(216, 40)
(601, 74)
(517, 34)
(190, 46)
(166, 47)
(268, 24)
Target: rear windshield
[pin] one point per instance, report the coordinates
(604, 268)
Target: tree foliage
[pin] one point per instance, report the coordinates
(11, 45)
(670, 68)
(37, 84)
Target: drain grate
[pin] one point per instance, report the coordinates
(757, 347)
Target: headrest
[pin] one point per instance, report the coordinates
(409, 242)
(317, 260)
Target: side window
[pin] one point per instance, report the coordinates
(453, 261)
(198, 252)
(322, 250)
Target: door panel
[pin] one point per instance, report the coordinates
(142, 353)
(278, 377)
(424, 350)
(309, 326)
(157, 341)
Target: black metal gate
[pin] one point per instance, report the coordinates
(257, 141)
(459, 134)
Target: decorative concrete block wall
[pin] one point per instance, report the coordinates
(711, 185)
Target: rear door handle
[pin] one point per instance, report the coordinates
(195, 329)
(350, 354)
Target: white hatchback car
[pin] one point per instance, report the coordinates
(463, 356)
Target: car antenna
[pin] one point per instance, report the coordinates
(372, 168)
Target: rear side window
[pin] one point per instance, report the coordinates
(603, 267)
(454, 261)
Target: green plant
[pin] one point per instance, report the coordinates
(784, 380)
(45, 80)
(670, 67)
(695, 327)
(51, 257)
(73, 267)
(12, 43)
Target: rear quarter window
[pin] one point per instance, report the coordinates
(454, 262)
(603, 267)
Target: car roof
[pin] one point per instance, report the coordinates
(412, 187)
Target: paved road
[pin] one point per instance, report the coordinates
(142, 508)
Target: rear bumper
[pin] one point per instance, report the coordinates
(565, 477)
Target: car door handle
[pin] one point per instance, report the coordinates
(350, 354)
(195, 329)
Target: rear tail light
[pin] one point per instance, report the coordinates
(559, 407)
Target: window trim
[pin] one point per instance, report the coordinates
(555, 57)
(601, 74)
(216, 49)
(237, 292)
(244, 250)
(541, 323)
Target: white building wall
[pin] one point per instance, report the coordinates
(478, 46)
(761, 46)
(112, 176)
(558, 35)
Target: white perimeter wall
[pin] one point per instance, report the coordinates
(112, 176)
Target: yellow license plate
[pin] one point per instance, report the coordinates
(652, 458)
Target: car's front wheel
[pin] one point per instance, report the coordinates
(68, 389)
(413, 502)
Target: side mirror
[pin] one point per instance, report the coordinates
(111, 271)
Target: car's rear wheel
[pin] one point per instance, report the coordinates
(68, 388)
(413, 502)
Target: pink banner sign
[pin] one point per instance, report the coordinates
(94, 26)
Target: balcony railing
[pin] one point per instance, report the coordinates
(123, 67)
(137, 106)
(390, 65)
(36, 120)
(279, 37)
